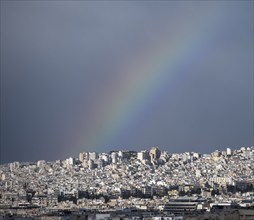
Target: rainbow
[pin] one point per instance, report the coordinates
(144, 78)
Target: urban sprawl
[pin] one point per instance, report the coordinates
(150, 184)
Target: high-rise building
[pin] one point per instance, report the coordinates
(143, 155)
(100, 163)
(93, 155)
(105, 157)
(155, 153)
(114, 157)
(229, 152)
(91, 164)
(83, 156)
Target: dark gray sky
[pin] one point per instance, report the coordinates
(95, 76)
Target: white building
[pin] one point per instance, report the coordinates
(114, 157)
(93, 155)
(143, 155)
(229, 152)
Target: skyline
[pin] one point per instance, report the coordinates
(76, 158)
(95, 76)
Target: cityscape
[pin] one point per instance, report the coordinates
(126, 110)
(149, 184)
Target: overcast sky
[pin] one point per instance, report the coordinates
(96, 76)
